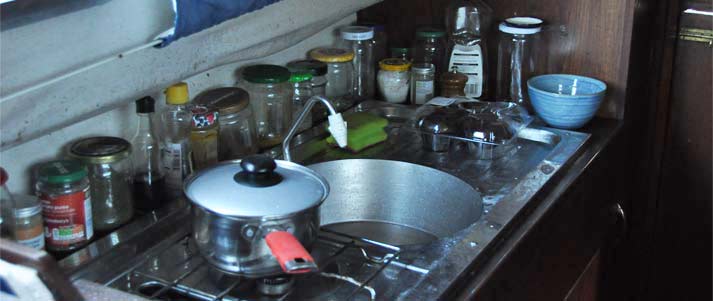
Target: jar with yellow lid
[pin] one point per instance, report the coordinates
(393, 79)
(110, 179)
(340, 72)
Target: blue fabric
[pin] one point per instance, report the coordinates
(195, 15)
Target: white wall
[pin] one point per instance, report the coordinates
(114, 115)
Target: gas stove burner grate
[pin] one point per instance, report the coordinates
(349, 265)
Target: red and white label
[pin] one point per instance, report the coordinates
(68, 218)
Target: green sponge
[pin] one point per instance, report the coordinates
(363, 130)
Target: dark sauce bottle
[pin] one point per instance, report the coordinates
(149, 184)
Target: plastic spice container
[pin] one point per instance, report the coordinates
(237, 134)
(360, 40)
(339, 74)
(63, 189)
(422, 83)
(302, 92)
(270, 100)
(29, 229)
(110, 171)
(394, 80)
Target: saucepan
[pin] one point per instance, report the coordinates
(257, 217)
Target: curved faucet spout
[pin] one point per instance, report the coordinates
(337, 125)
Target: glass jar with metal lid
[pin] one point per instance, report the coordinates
(28, 221)
(110, 170)
(394, 80)
(63, 189)
(422, 83)
(204, 136)
(339, 75)
(238, 134)
(270, 100)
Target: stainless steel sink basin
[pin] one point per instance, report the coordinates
(396, 202)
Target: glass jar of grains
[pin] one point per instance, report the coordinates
(110, 171)
(394, 79)
(237, 135)
(28, 221)
(63, 189)
(270, 100)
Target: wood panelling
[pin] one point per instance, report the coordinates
(585, 37)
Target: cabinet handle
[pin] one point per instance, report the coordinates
(619, 217)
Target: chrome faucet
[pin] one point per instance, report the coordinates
(337, 125)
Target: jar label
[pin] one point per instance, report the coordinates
(469, 60)
(174, 163)
(423, 91)
(37, 242)
(68, 218)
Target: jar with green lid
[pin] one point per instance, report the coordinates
(339, 75)
(110, 178)
(204, 136)
(301, 93)
(29, 229)
(63, 189)
(430, 48)
(403, 53)
(237, 137)
(269, 91)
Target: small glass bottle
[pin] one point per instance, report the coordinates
(430, 48)
(403, 53)
(238, 134)
(204, 136)
(270, 98)
(339, 75)
(360, 40)
(453, 83)
(110, 176)
(63, 189)
(422, 83)
(149, 182)
(7, 203)
(176, 156)
(394, 80)
(302, 91)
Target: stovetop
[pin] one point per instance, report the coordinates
(351, 268)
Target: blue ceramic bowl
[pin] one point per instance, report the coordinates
(565, 101)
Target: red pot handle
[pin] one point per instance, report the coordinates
(290, 253)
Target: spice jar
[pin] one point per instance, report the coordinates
(270, 100)
(453, 83)
(422, 83)
(237, 135)
(63, 189)
(28, 221)
(7, 205)
(339, 75)
(204, 136)
(110, 171)
(394, 80)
